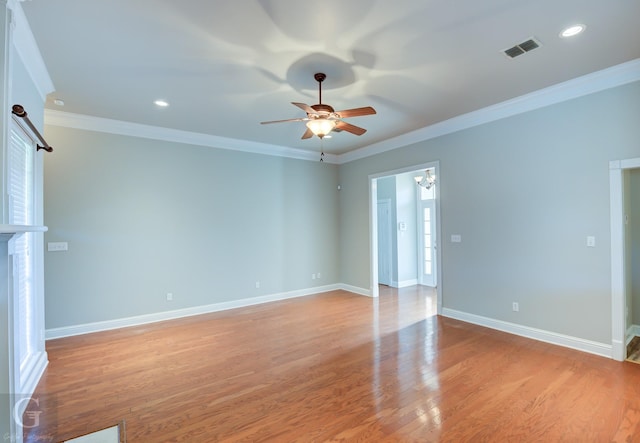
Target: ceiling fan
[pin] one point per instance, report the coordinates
(322, 119)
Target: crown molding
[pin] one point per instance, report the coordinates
(28, 51)
(99, 124)
(587, 84)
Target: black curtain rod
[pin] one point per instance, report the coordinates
(19, 111)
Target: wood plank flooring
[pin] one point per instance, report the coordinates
(333, 367)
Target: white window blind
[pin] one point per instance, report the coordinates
(20, 186)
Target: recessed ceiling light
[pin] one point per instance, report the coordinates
(161, 103)
(58, 102)
(572, 30)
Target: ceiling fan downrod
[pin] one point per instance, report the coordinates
(319, 76)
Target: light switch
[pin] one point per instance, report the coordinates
(591, 241)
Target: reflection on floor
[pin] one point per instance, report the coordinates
(633, 350)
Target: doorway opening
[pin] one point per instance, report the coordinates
(624, 277)
(415, 228)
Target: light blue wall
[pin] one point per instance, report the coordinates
(407, 240)
(25, 93)
(524, 193)
(387, 191)
(144, 218)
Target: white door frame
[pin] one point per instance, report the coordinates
(618, 285)
(373, 226)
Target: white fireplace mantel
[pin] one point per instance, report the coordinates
(10, 230)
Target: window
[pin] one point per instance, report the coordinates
(20, 187)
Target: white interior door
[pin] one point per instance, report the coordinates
(384, 242)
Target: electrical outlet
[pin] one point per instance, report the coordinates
(313, 276)
(57, 246)
(515, 306)
(169, 296)
(318, 275)
(257, 285)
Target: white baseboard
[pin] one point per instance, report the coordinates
(32, 374)
(355, 290)
(592, 347)
(404, 283)
(68, 331)
(633, 331)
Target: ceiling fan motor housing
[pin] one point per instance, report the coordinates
(323, 109)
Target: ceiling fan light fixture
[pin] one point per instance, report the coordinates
(321, 126)
(322, 118)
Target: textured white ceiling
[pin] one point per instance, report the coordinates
(224, 66)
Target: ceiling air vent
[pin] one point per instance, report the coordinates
(521, 48)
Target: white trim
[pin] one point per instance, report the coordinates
(587, 84)
(20, 229)
(119, 127)
(355, 290)
(30, 377)
(567, 341)
(617, 261)
(28, 51)
(632, 331)
(87, 328)
(404, 283)
(631, 163)
(373, 236)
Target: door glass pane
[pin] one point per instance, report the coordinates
(427, 265)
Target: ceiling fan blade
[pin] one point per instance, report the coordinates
(350, 128)
(287, 120)
(306, 108)
(307, 134)
(356, 112)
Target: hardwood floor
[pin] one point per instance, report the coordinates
(333, 367)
